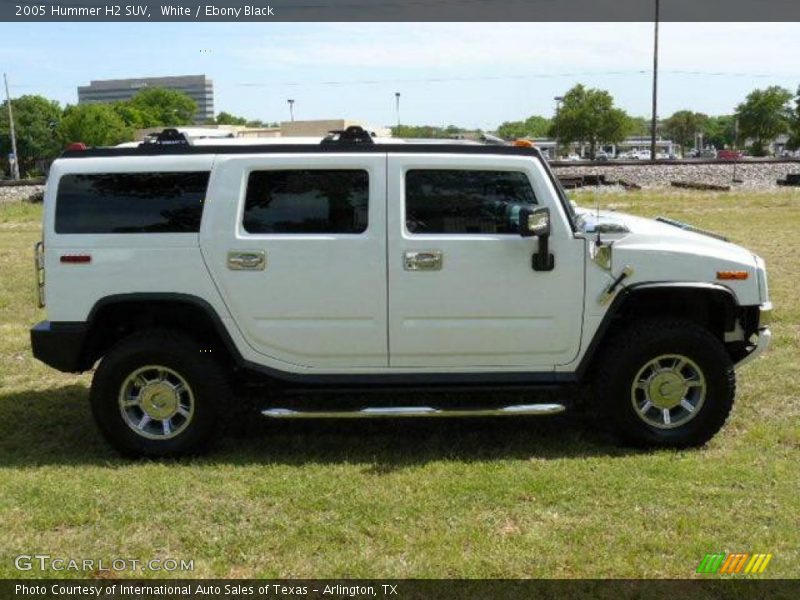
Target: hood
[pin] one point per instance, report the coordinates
(659, 251)
(629, 230)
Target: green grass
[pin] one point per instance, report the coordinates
(404, 498)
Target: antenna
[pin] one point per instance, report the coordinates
(597, 241)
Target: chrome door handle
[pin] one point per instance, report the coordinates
(247, 261)
(427, 260)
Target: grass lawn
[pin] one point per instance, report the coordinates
(405, 498)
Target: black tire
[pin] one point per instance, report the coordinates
(630, 350)
(208, 385)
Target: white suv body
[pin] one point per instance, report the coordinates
(391, 299)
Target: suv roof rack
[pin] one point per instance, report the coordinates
(352, 135)
(333, 146)
(169, 137)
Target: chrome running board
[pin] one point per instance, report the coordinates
(414, 411)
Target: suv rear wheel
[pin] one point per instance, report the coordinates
(665, 382)
(156, 394)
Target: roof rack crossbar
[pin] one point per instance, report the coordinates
(351, 135)
(169, 137)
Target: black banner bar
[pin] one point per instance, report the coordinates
(396, 10)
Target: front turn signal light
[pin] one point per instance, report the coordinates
(738, 275)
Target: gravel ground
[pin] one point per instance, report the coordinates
(754, 176)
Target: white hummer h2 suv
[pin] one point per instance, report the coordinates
(364, 264)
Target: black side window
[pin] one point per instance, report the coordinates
(131, 202)
(465, 201)
(307, 201)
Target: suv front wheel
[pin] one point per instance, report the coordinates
(665, 382)
(157, 394)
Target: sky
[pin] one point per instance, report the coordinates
(467, 74)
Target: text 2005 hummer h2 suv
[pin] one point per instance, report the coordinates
(360, 263)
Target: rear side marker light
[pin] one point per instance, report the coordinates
(76, 258)
(740, 275)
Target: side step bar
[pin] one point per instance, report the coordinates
(415, 411)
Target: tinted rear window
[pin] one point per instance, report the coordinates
(131, 202)
(307, 201)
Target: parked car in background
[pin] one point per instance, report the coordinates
(730, 154)
(602, 156)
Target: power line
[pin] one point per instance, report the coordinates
(478, 78)
(507, 78)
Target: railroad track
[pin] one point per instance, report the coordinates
(667, 163)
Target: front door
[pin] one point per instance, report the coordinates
(296, 244)
(462, 292)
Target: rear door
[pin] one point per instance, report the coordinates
(296, 245)
(462, 291)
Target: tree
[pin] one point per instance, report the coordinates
(532, 127)
(259, 123)
(35, 119)
(160, 107)
(640, 126)
(764, 115)
(426, 131)
(589, 116)
(720, 131)
(684, 125)
(133, 117)
(224, 118)
(794, 125)
(94, 125)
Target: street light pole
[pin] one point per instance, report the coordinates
(15, 164)
(654, 122)
(559, 100)
(397, 106)
(291, 109)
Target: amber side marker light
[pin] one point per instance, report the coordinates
(76, 258)
(732, 275)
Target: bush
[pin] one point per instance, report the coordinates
(35, 197)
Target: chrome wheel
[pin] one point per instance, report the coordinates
(156, 402)
(668, 391)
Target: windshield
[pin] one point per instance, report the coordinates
(562, 196)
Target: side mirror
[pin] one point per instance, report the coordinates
(534, 223)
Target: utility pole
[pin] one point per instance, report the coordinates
(291, 109)
(654, 122)
(559, 100)
(15, 163)
(397, 106)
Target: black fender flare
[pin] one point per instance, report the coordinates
(629, 293)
